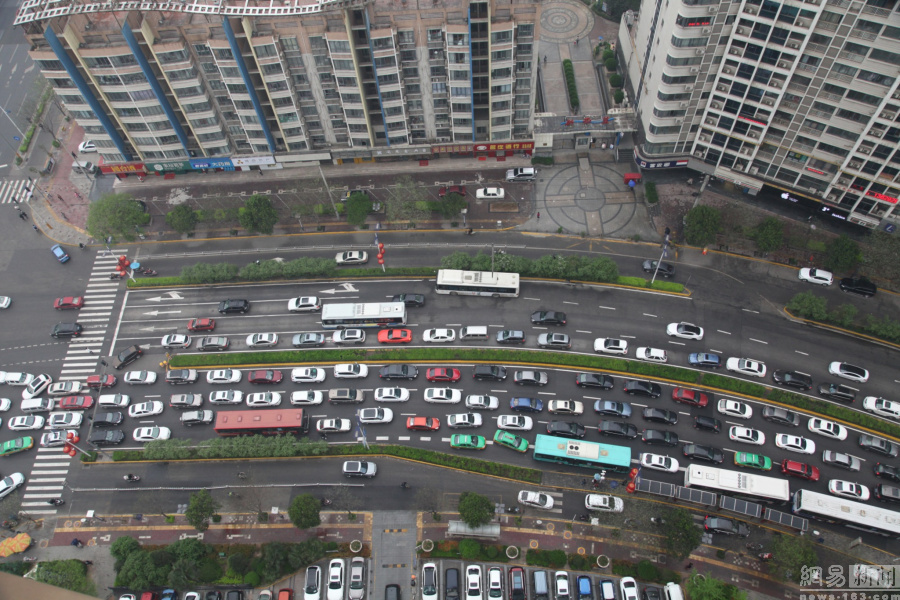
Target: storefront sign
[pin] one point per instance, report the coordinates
(878, 196)
(251, 161)
(492, 147)
(400, 151)
(168, 166)
(123, 168)
(669, 164)
(212, 163)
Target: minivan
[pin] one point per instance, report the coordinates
(887, 493)
(451, 584)
(83, 167)
(520, 174)
(541, 585)
(473, 333)
(37, 405)
(673, 591)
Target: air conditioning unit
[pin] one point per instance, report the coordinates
(865, 150)
(768, 102)
(888, 116)
(679, 121)
(695, 70)
(700, 52)
(775, 83)
(876, 133)
(706, 31)
(716, 105)
(749, 10)
(683, 105)
(712, 10)
(710, 121)
(728, 70)
(832, 198)
(722, 87)
(753, 134)
(741, 31)
(843, 181)
(734, 52)
(855, 165)
(698, 154)
(704, 138)
(688, 88)
(783, 64)
(794, 45)
(754, 170)
(746, 150)
(801, 23)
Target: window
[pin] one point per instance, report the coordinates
(188, 92)
(223, 54)
(406, 37)
(172, 57)
(136, 127)
(272, 69)
(210, 68)
(97, 62)
(884, 56)
(123, 60)
(875, 78)
(202, 50)
(526, 29)
(266, 51)
(678, 42)
(140, 95)
(339, 46)
(672, 79)
(681, 62)
(289, 44)
(844, 69)
(150, 111)
(118, 96)
(182, 74)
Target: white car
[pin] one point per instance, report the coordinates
(391, 394)
(687, 331)
(140, 377)
(114, 400)
(604, 503)
(430, 578)
(307, 398)
(226, 397)
(349, 336)
(659, 462)
(479, 402)
(747, 435)
(220, 376)
(515, 423)
(473, 583)
(611, 346)
(308, 375)
(150, 434)
(628, 588)
(829, 429)
(176, 340)
(882, 407)
(37, 386)
(5, 404)
(536, 500)
(56, 438)
(9, 484)
(5, 301)
(19, 379)
(350, 371)
(376, 415)
(333, 425)
(263, 399)
(146, 409)
(335, 580)
(817, 276)
(652, 354)
(64, 420)
(565, 407)
(87, 147)
(439, 336)
(463, 420)
(26, 423)
(734, 408)
(848, 489)
(746, 366)
(304, 304)
(795, 443)
(64, 388)
(848, 371)
(490, 193)
(442, 395)
(262, 340)
(352, 257)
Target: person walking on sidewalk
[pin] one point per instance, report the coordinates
(23, 216)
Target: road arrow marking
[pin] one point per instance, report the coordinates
(172, 296)
(347, 287)
(156, 313)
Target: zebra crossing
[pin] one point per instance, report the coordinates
(15, 188)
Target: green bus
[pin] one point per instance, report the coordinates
(581, 453)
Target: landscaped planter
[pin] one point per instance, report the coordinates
(512, 552)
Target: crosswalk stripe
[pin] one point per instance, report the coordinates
(10, 189)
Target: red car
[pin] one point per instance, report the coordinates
(799, 469)
(75, 403)
(443, 374)
(423, 423)
(453, 189)
(395, 336)
(68, 302)
(692, 397)
(265, 376)
(202, 325)
(95, 382)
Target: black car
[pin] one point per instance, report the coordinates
(212, 343)
(234, 306)
(660, 415)
(108, 419)
(234, 595)
(128, 356)
(106, 437)
(837, 391)
(66, 330)
(181, 376)
(726, 526)
(878, 445)
(213, 595)
(566, 429)
(781, 416)
(410, 299)
(659, 437)
(398, 372)
(887, 472)
(704, 453)
(595, 380)
(794, 379)
(548, 317)
(858, 285)
(886, 493)
(489, 373)
(665, 269)
(618, 428)
(705, 423)
(308, 340)
(651, 593)
(197, 417)
(643, 388)
(510, 336)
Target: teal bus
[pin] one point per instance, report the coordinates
(581, 453)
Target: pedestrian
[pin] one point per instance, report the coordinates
(583, 482)
(17, 208)
(539, 216)
(689, 566)
(87, 563)
(34, 227)
(260, 172)
(23, 216)
(60, 198)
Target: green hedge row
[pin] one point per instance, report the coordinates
(569, 72)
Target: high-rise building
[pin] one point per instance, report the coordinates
(232, 83)
(800, 96)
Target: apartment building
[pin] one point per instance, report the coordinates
(226, 84)
(800, 97)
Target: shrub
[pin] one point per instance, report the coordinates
(608, 54)
(469, 549)
(647, 571)
(651, 193)
(618, 96)
(542, 160)
(701, 225)
(615, 80)
(768, 235)
(571, 86)
(842, 254)
(611, 64)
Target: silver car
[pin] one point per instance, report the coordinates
(357, 578)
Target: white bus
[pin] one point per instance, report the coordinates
(748, 486)
(371, 314)
(858, 515)
(477, 283)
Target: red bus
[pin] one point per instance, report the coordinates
(262, 422)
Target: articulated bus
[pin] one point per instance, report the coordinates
(477, 283)
(581, 453)
(371, 314)
(857, 515)
(748, 486)
(269, 421)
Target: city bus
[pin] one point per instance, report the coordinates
(369, 314)
(477, 283)
(262, 422)
(581, 453)
(857, 515)
(747, 486)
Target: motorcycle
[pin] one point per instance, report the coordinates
(765, 556)
(131, 478)
(56, 502)
(513, 510)
(584, 518)
(148, 272)
(115, 276)
(754, 546)
(326, 502)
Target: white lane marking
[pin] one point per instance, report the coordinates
(716, 351)
(677, 343)
(630, 337)
(607, 307)
(756, 312)
(649, 315)
(803, 353)
(546, 393)
(567, 302)
(759, 341)
(535, 299)
(725, 332)
(582, 331)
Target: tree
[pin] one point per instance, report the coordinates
(406, 202)
(615, 80)
(843, 254)
(258, 214)
(452, 205)
(122, 548)
(475, 510)
(769, 235)
(201, 508)
(182, 219)
(701, 225)
(182, 573)
(116, 215)
(807, 305)
(358, 208)
(681, 535)
(881, 255)
(789, 555)
(304, 511)
(710, 588)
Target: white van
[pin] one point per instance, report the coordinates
(84, 166)
(473, 332)
(673, 591)
(36, 405)
(522, 174)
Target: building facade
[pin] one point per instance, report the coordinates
(226, 84)
(801, 96)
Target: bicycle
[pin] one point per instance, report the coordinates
(242, 475)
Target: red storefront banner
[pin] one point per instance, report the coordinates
(123, 168)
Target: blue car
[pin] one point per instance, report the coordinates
(705, 359)
(532, 405)
(59, 253)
